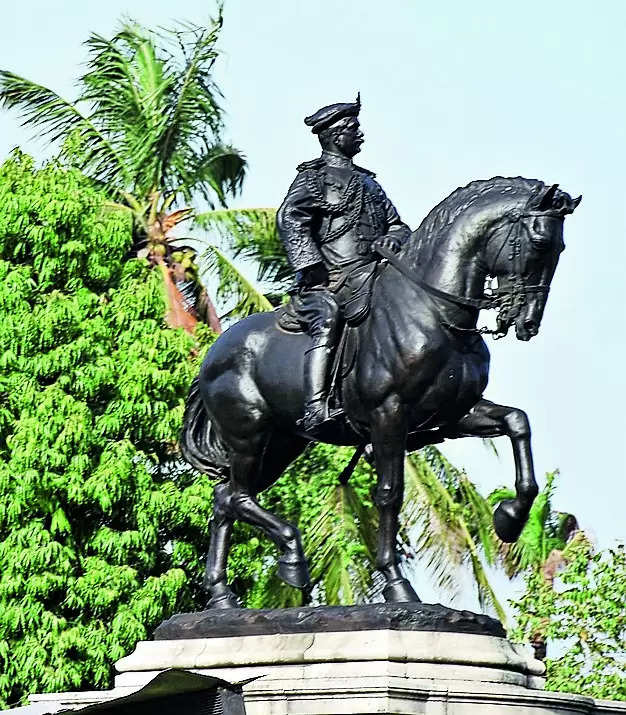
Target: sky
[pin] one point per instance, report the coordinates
(450, 92)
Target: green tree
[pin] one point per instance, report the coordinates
(582, 615)
(147, 126)
(101, 530)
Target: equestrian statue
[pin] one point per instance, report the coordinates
(378, 345)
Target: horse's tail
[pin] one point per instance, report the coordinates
(199, 443)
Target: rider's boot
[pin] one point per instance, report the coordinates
(316, 404)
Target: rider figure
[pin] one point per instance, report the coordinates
(333, 212)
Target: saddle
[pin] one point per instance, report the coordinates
(344, 356)
(353, 290)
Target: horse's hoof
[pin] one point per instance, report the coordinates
(509, 521)
(223, 601)
(400, 591)
(295, 573)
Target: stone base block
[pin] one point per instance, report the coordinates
(365, 672)
(407, 659)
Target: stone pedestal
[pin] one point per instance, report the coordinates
(387, 659)
(376, 671)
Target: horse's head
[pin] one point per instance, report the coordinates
(523, 252)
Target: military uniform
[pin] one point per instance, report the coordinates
(333, 213)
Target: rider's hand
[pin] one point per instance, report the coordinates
(390, 243)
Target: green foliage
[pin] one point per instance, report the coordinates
(449, 524)
(101, 531)
(250, 234)
(583, 617)
(234, 286)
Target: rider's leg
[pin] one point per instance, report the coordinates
(322, 311)
(388, 427)
(488, 419)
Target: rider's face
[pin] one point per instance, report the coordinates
(349, 137)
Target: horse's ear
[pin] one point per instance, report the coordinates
(576, 201)
(548, 198)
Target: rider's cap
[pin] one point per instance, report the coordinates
(327, 116)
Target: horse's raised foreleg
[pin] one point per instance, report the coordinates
(488, 419)
(388, 427)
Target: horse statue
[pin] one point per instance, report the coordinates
(417, 377)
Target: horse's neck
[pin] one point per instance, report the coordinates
(453, 262)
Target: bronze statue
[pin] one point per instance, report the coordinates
(410, 368)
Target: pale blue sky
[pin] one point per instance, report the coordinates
(451, 92)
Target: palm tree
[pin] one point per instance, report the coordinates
(147, 126)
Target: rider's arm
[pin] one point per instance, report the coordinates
(294, 222)
(396, 228)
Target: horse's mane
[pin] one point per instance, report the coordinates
(447, 211)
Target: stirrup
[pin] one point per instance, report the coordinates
(316, 414)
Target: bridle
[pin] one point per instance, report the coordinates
(509, 300)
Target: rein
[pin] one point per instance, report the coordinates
(508, 300)
(392, 258)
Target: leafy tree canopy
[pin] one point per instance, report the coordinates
(582, 615)
(101, 532)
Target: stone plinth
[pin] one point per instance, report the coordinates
(402, 659)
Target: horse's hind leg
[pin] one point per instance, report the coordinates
(221, 528)
(245, 474)
(280, 452)
(488, 419)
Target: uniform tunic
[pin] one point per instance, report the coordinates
(333, 212)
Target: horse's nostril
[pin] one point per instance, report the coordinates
(531, 327)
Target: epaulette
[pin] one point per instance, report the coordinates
(364, 171)
(313, 164)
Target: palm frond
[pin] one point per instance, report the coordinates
(219, 171)
(233, 285)
(250, 233)
(127, 86)
(453, 523)
(194, 117)
(341, 545)
(546, 530)
(58, 118)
